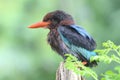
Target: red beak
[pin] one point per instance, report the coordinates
(39, 25)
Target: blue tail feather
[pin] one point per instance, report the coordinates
(87, 54)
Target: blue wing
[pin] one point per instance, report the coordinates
(78, 40)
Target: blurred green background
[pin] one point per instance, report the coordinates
(25, 53)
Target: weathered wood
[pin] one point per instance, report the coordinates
(64, 74)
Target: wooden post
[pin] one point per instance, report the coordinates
(64, 74)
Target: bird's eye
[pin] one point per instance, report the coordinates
(55, 20)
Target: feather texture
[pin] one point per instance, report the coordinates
(78, 40)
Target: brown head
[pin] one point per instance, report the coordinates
(53, 19)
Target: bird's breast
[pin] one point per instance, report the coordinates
(56, 43)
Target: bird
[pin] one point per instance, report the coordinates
(65, 37)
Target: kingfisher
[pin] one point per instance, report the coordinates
(65, 37)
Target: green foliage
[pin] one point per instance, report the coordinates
(73, 64)
(108, 54)
(110, 75)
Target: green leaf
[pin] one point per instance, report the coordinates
(106, 55)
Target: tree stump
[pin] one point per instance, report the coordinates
(64, 74)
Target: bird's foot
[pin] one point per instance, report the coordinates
(84, 62)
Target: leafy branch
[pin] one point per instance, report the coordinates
(73, 64)
(109, 53)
